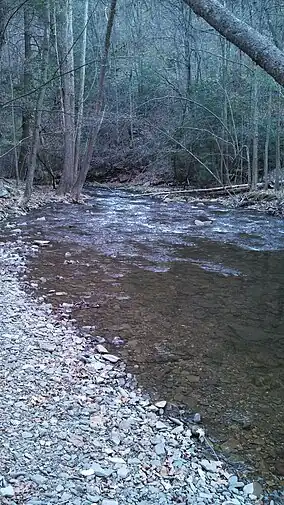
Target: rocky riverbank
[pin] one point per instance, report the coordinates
(11, 198)
(76, 429)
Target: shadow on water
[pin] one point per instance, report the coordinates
(200, 309)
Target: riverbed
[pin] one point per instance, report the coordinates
(196, 311)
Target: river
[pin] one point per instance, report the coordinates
(195, 311)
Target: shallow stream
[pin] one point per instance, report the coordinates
(195, 311)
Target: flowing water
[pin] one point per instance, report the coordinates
(195, 311)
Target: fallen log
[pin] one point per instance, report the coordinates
(218, 191)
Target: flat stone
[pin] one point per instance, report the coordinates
(45, 346)
(161, 404)
(122, 472)
(38, 479)
(7, 491)
(41, 242)
(254, 488)
(109, 502)
(197, 222)
(93, 498)
(161, 426)
(111, 358)
(160, 449)
(232, 501)
(210, 466)
(87, 472)
(27, 434)
(115, 437)
(101, 472)
(101, 349)
(233, 480)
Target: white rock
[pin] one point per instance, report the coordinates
(117, 460)
(177, 430)
(41, 242)
(161, 404)
(101, 349)
(160, 449)
(197, 418)
(99, 471)
(122, 472)
(111, 358)
(7, 491)
(233, 480)
(254, 488)
(210, 466)
(248, 488)
(161, 426)
(88, 472)
(109, 502)
(115, 437)
(197, 222)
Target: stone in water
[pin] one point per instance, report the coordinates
(101, 349)
(161, 404)
(111, 358)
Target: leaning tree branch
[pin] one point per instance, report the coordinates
(258, 47)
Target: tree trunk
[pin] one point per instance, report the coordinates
(67, 177)
(27, 81)
(56, 49)
(3, 20)
(267, 139)
(258, 47)
(82, 64)
(39, 106)
(13, 120)
(255, 132)
(98, 110)
(278, 147)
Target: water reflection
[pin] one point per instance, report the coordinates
(200, 308)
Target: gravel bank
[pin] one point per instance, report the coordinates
(76, 429)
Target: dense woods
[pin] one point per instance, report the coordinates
(144, 91)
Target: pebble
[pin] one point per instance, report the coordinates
(197, 418)
(109, 502)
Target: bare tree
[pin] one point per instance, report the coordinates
(98, 109)
(27, 82)
(82, 78)
(39, 105)
(67, 66)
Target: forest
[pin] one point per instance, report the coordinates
(144, 91)
(141, 332)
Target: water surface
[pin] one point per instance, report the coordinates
(199, 308)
